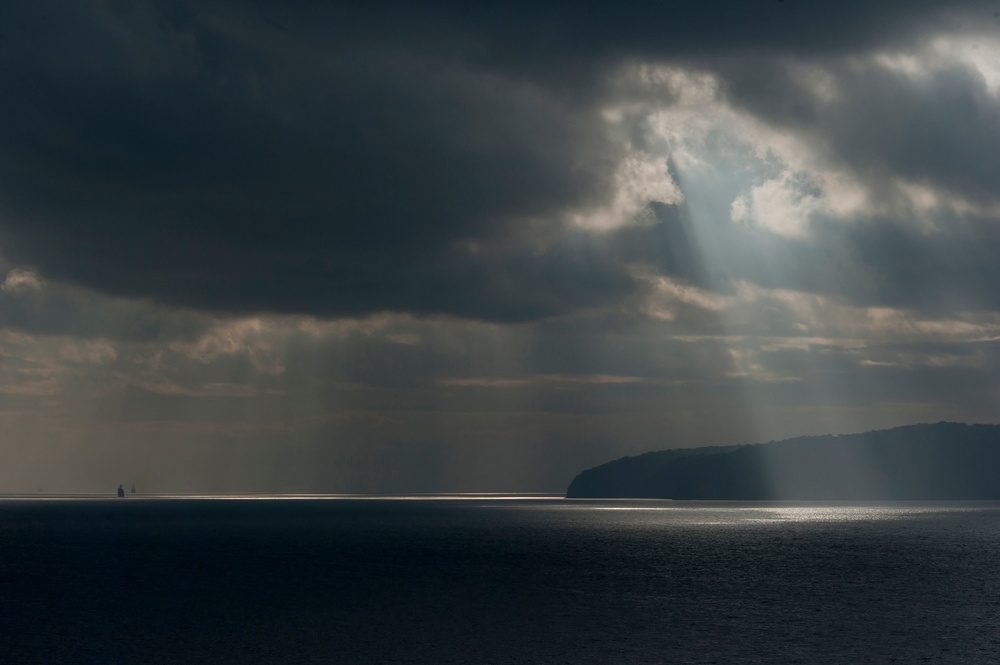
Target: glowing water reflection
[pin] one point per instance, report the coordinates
(737, 514)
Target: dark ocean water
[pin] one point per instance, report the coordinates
(497, 581)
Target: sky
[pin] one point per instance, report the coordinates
(397, 247)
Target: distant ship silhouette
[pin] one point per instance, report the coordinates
(121, 491)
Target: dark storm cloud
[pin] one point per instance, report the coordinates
(345, 159)
(939, 125)
(226, 174)
(546, 36)
(950, 269)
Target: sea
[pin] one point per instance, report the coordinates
(495, 579)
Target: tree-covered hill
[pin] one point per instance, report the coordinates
(928, 461)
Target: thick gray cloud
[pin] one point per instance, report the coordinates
(349, 159)
(30, 305)
(872, 262)
(233, 171)
(938, 125)
(951, 269)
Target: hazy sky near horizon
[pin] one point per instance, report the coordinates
(427, 246)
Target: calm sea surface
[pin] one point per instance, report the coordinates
(497, 581)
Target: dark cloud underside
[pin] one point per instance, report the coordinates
(352, 158)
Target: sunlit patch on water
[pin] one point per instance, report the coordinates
(737, 514)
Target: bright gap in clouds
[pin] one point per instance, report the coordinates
(775, 183)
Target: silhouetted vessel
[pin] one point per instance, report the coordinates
(132, 491)
(121, 491)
